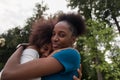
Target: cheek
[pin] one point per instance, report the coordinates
(41, 51)
(66, 42)
(49, 48)
(51, 39)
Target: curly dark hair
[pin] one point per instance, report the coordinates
(76, 22)
(41, 33)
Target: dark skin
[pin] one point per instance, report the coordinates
(59, 41)
(80, 74)
(13, 70)
(45, 52)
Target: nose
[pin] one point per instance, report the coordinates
(55, 38)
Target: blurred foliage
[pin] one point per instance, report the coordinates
(19, 35)
(105, 10)
(98, 41)
(93, 46)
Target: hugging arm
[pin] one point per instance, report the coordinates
(13, 70)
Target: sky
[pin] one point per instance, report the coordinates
(15, 12)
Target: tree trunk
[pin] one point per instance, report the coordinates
(116, 22)
(99, 74)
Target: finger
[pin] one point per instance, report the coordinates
(78, 70)
(75, 78)
(80, 73)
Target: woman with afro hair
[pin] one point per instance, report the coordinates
(61, 64)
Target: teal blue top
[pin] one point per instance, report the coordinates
(70, 59)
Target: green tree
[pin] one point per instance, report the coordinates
(93, 48)
(106, 10)
(10, 44)
(19, 35)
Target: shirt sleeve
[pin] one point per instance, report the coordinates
(28, 55)
(69, 58)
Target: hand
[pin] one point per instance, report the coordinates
(22, 44)
(76, 78)
(80, 74)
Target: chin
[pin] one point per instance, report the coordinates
(55, 48)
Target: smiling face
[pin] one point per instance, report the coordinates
(62, 36)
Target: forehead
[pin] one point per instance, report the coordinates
(62, 26)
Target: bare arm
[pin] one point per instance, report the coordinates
(13, 70)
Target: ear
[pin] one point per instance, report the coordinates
(73, 39)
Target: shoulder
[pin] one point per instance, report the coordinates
(67, 51)
(67, 54)
(30, 52)
(69, 58)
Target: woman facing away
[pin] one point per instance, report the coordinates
(59, 65)
(39, 42)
